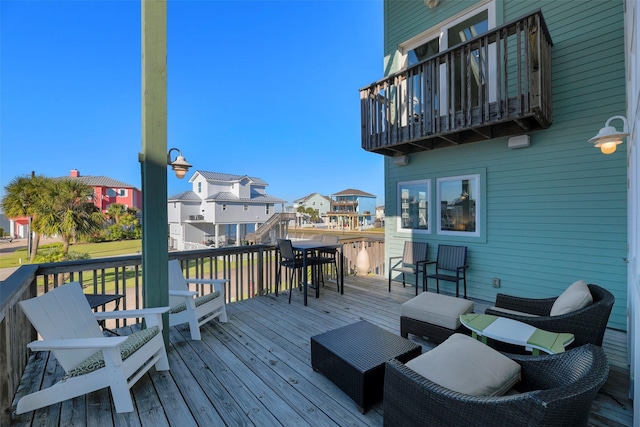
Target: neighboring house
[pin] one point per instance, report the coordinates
(379, 216)
(314, 201)
(221, 209)
(106, 191)
(352, 209)
(496, 157)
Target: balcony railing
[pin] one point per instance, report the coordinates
(494, 85)
(251, 270)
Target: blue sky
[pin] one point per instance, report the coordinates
(260, 88)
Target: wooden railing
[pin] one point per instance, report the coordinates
(251, 270)
(494, 85)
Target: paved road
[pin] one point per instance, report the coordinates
(7, 247)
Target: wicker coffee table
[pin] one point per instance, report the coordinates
(353, 358)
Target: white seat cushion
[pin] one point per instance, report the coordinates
(574, 298)
(436, 309)
(467, 366)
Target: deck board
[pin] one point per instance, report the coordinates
(256, 369)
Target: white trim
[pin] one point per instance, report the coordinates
(428, 198)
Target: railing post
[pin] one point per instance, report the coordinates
(260, 273)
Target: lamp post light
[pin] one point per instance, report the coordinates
(29, 239)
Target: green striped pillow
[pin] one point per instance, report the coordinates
(127, 348)
(199, 301)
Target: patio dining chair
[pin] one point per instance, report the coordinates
(414, 257)
(292, 260)
(328, 257)
(451, 266)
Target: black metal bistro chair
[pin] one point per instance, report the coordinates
(413, 258)
(292, 260)
(327, 257)
(451, 266)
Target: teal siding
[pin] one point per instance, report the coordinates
(555, 212)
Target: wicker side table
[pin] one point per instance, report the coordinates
(353, 358)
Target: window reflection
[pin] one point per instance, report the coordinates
(458, 204)
(414, 205)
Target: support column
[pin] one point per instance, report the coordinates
(153, 158)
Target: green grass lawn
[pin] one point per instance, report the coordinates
(95, 250)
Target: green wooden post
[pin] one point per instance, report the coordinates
(155, 248)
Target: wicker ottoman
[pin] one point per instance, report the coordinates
(433, 316)
(353, 358)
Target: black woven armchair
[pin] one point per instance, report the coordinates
(555, 390)
(586, 324)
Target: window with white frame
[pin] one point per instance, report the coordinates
(459, 205)
(199, 187)
(458, 29)
(266, 210)
(224, 207)
(122, 192)
(245, 207)
(413, 206)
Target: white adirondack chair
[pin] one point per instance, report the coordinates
(91, 361)
(188, 307)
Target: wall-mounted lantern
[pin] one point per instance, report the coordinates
(608, 138)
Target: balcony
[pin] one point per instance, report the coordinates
(254, 370)
(495, 85)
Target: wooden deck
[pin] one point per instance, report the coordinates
(256, 370)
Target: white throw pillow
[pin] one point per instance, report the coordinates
(574, 298)
(467, 366)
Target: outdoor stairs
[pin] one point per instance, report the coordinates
(277, 222)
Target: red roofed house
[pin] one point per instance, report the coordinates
(106, 191)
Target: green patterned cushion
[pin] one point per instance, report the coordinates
(127, 348)
(199, 301)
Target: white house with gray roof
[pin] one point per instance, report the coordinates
(219, 210)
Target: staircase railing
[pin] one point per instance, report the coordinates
(278, 222)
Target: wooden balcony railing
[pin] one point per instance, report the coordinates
(251, 270)
(494, 85)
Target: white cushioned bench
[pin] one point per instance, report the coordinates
(434, 316)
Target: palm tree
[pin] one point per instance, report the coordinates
(23, 197)
(70, 211)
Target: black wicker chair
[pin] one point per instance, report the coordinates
(555, 390)
(586, 324)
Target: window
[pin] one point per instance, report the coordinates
(458, 29)
(224, 207)
(413, 206)
(266, 210)
(423, 51)
(122, 192)
(245, 207)
(459, 205)
(199, 187)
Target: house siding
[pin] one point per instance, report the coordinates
(554, 212)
